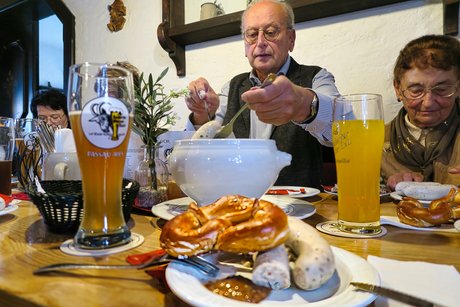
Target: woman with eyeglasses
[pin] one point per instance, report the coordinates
(51, 107)
(422, 142)
(295, 110)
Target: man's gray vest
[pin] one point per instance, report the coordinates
(305, 168)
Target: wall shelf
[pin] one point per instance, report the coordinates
(174, 35)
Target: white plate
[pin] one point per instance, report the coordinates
(293, 207)
(398, 196)
(187, 285)
(394, 221)
(457, 225)
(10, 208)
(308, 191)
(335, 193)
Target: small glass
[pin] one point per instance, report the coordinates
(6, 153)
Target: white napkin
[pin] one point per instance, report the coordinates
(64, 141)
(437, 283)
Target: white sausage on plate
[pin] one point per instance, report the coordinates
(315, 262)
(271, 269)
(423, 190)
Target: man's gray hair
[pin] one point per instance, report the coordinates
(286, 7)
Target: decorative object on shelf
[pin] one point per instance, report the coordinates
(117, 12)
(153, 116)
(211, 9)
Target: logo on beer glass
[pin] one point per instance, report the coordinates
(105, 122)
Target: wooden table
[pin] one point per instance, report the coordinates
(26, 244)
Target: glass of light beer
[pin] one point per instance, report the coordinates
(357, 137)
(6, 153)
(101, 106)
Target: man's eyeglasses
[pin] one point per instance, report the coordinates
(417, 92)
(54, 118)
(270, 34)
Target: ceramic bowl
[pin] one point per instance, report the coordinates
(207, 169)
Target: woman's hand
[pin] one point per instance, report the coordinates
(454, 170)
(394, 179)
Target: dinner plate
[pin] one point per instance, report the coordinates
(328, 189)
(398, 196)
(188, 284)
(457, 225)
(291, 206)
(308, 192)
(394, 221)
(8, 209)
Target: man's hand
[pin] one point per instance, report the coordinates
(394, 179)
(202, 101)
(279, 102)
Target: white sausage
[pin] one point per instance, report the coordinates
(315, 262)
(271, 269)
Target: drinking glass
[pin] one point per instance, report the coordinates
(357, 137)
(28, 151)
(6, 153)
(101, 106)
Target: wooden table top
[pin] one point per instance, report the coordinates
(26, 244)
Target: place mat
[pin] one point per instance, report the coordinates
(331, 228)
(68, 247)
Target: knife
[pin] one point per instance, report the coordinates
(393, 294)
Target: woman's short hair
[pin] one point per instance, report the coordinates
(437, 51)
(51, 98)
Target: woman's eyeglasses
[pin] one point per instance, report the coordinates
(417, 92)
(54, 118)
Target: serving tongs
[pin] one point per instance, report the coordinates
(198, 262)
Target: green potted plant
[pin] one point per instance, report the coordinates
(153, 115)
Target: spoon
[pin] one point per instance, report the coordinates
(226, 130)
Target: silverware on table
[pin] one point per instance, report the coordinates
(226, 130)
(196, 261)
(393, 294)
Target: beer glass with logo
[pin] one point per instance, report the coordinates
(357, 137)
(6, 153)
(101, 106)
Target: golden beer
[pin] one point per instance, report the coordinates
(358, 147)
(102, 173)
(101, 109)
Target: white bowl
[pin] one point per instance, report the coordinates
(207, 169)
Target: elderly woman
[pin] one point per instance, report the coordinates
(422, 143)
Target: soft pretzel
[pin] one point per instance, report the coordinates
(233, 223)
(410, 211)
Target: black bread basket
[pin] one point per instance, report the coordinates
(62, 205)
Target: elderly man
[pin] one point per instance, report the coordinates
(295, 110)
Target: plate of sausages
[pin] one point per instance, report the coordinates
(333, 269)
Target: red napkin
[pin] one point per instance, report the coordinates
(6, 198)
(21, 196)
(157, 272)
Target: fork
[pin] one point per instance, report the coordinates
(198, 262)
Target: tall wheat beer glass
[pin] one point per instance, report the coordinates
(101, 105)
(357, 137)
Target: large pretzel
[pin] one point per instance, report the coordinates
(410, 211)
(233, 223)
